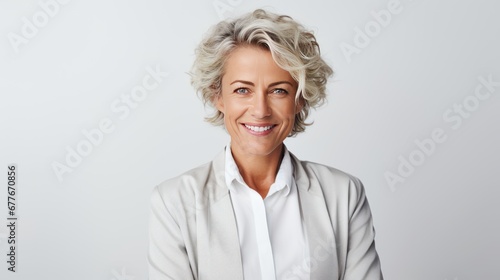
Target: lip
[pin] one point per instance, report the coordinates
(259, 133)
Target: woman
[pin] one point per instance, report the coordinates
(256, 211)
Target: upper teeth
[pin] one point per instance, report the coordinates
(258, 128)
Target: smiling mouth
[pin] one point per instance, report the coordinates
(259, 128)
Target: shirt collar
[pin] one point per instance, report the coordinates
(284, 177)
(231, 170)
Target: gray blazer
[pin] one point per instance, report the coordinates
(193, 233)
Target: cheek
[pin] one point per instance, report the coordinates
(289, 109)
(230, 111)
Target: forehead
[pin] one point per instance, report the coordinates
(252, 62)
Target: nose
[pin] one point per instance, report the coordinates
(260, 106)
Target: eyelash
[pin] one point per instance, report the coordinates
(282, 91)
(238, 90)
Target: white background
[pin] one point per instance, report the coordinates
(439, 222)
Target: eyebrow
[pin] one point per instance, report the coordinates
(252, 84)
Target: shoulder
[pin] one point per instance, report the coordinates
(330, 181)
(189, 180)
(343, 193)
(314, 170)
(325, 171)
(191, 186)
(186, 187)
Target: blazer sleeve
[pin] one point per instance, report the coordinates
(362, 258)
(167, 256)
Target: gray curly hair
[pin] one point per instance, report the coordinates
(293, 48)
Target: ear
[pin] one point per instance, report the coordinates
(299, 105)
(218, 102)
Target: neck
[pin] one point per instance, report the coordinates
(259, 172)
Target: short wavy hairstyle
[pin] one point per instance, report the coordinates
(292, 47)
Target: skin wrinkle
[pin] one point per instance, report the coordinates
(257, 92)
(293, 47)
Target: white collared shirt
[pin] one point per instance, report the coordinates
(272, 239)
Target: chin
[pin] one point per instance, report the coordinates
(261, 149)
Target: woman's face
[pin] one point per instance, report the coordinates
(258, 102)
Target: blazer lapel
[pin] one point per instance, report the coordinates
(219, 253)
(218, 244)
(323, 263)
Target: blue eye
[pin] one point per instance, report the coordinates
(241, 90)
(280, 91)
